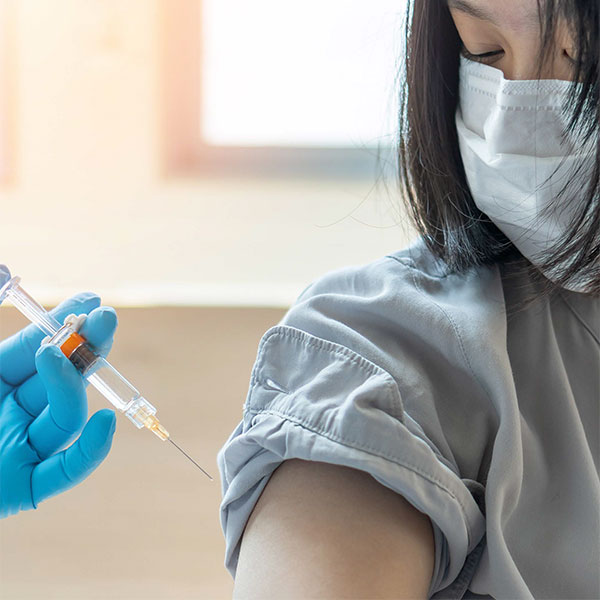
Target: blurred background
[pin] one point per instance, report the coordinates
(196, 163)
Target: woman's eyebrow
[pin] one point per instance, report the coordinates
(470, 9)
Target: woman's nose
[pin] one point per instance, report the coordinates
(513, 71)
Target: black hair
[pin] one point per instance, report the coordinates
(431, 175)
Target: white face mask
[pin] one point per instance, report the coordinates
(515, 158)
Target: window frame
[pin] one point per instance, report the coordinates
(184, 152)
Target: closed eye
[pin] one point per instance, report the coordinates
(480, 57)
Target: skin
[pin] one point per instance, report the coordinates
(512, 33)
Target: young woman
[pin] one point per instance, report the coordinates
(425, 425)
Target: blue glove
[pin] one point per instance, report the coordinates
(43, 408)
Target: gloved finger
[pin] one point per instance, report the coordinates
(31, 395)
(98, 329)
(66, 412)
(71, 466)
(17, 353)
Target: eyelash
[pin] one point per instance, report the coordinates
(487, 55)
(480, 57)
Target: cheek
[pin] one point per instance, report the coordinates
(562, 70)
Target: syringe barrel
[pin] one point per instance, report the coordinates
(112, 385)
(106, 379)
(102, 375)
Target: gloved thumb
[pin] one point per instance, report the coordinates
(71, 466)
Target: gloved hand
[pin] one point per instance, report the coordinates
(43, 407)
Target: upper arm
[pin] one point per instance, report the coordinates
(327, 531)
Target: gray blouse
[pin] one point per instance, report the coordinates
(487, 424)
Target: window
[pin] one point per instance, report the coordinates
(294, 87)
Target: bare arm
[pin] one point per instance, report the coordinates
(325, 531)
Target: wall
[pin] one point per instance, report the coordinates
(86, 207)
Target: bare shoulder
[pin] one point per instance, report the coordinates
(327, 531)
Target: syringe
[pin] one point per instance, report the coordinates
(95, 368)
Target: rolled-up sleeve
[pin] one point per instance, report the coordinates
(316, 400)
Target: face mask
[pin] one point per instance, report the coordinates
(516, 160)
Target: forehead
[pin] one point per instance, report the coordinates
(511, 14)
